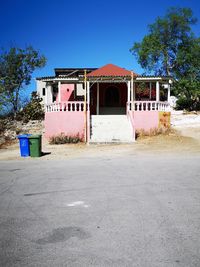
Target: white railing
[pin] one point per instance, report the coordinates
(148, 106)
(70, 106)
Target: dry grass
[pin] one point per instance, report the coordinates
(154, 131)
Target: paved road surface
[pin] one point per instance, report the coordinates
(135, 210)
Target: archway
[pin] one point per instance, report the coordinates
(112, 97)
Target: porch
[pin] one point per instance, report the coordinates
(74, 118)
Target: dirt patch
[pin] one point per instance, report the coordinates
(172, 143)
(185, 138)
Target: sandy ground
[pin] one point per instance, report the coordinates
(184, 138)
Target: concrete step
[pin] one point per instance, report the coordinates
(111, 128)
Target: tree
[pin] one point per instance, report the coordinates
(188, 93)
(16, 68)
(171, 49)
(187, 60)
(170, 41)
(34, 110)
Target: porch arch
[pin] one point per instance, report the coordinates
(112, 96)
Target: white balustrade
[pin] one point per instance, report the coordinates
(74, 106)
(70, 106)
(148, 106)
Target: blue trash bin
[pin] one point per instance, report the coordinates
(24, 145)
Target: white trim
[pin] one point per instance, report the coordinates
(149, 106)
(109, 81)
(148, 78)
(68, 106)
(59, 79)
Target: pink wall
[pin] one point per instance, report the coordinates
(146, 120)
(66, 92)
(69, 123)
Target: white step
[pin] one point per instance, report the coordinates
(111, 128)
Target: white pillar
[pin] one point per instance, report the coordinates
(85, 105)
(97, 98)
(49, 94)
(157, 91)
(132, 86)
(128, 94)
(168, 93)
(132, 95)
(88, 112)
(46, 94)
(59, 93)
(150, 88)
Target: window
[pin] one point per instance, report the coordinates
(43, 91)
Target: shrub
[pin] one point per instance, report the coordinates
(187, 104)
(2, 126)
(64, 139)
(188, 94)
(34, 110)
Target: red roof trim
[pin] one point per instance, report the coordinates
(110, 70)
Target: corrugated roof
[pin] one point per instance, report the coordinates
(45, 77)
(72, 72)
(110, 70)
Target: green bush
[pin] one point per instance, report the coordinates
(34, 110)
(187, 104)
(64, 139)
(188, 94)
(183, 103)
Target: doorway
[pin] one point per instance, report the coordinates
(112, 98)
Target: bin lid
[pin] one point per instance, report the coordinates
(33, 136)
(23, 136)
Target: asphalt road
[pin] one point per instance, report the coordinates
(135, 210)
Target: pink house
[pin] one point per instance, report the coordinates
(108, 104)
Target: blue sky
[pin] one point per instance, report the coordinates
(82, 33)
